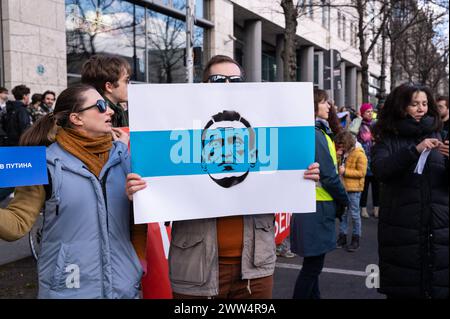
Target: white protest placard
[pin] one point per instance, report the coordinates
(212, 150)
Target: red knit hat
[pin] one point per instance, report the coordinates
(365, 107)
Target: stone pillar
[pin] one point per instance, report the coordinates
(307, 64)
(279, 58)
(339, 97)
(253, 50)
(34, 43)
(221, 37)
(350, 87)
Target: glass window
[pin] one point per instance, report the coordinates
(108, 27)
(181, 5)
(316, 70)
(339, 24)
(344, 26)
(153, 43)
(269, 68)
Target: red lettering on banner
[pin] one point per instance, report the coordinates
(282, 226)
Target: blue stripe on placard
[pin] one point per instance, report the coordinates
(179, 152)
(23, 166)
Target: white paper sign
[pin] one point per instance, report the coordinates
(211, 150)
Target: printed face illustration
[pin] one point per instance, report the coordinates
(228, 149)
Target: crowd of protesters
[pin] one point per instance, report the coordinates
(355, 152)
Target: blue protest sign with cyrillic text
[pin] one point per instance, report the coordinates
(23, 166)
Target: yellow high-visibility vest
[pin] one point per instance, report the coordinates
(321, 194)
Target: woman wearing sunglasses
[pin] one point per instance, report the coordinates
(86, 249)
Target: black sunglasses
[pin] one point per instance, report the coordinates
(101, 105)
(219, 78)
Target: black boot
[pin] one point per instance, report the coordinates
(354, 246)
(342, 241)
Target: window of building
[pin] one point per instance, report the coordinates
(339, 18)
(181, 5)
(269, 67)
(352, 34)
(316, 70)
(154, 43)
(344, 26)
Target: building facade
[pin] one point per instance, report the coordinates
(45, 42)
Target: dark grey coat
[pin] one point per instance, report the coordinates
(314, 234)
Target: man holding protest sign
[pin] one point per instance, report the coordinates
(224, 257)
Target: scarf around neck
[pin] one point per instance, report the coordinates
(93, 152)
(409, 127)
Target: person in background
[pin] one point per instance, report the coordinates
(442, 103)
(413, 230)
(314, 234)
(344, 117)
(35, 110)
(48, 99)
(362, 128)
(3, 100)
(110, 75)
(17, 119)
(284, 249)
(352, 168)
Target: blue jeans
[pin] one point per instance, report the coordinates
(353, 210)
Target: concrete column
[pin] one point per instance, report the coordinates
(339, 97)
(279, 58)
(253, 50)
(307, 64)
(221, 37)
(34, 44)
(350, 87)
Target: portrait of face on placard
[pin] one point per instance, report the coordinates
(228, 148)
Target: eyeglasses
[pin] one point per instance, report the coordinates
(219, 78)
(101, 105)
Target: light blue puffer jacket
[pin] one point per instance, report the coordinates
(87, 230)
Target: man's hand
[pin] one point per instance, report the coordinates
(313, 172)
(134, 184)
(119, 135)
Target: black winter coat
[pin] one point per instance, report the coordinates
(413, 227)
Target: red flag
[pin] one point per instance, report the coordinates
(156, 283)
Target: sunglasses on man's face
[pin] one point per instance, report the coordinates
(101, 105)
(219, 78)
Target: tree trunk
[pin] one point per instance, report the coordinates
(362, 50)
(290, 44)
(382, 96)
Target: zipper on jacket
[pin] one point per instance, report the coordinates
(105, 197)
(426, 217)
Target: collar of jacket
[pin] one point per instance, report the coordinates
(409, 127)
(323, 125)
(14, 104)
(71, 163)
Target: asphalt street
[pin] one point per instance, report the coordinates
(343, 277)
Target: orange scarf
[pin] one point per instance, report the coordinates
(93, 152)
